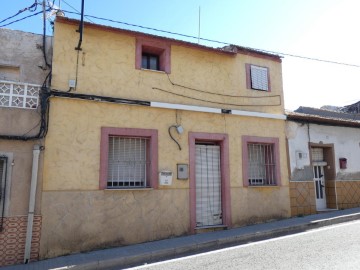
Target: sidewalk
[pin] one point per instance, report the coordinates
(117, 258)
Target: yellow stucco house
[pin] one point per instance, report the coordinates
(151, 138)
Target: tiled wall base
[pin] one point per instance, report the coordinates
(340, 194)
(302, 198)
(348, 194)
(12, 240)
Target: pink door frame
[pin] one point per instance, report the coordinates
(223, 141)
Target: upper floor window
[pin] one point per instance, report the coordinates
(152, 54)
(150, 61)
(257, 77)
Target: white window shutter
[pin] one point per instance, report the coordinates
(259, 78)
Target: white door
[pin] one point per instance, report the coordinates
(319, 187)
(208, 185)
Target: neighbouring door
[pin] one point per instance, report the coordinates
(208, 185)
(319, 180)
(319, 187)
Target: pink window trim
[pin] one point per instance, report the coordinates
(152, 134)
(248, 77)
(223, 141)
(266, 140)
(148, 45)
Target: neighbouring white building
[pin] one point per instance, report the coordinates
(324, 155)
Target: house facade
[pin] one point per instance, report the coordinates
(22, 73)
(151, 138)
(323, 156)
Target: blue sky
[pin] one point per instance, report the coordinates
(322, 29)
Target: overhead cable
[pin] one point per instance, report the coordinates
(76, 10)
(216, 41)
(31, 8)
(32, 15)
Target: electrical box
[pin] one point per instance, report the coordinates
(301, 159)
(182, 171)
(165, 178)
(72, 83)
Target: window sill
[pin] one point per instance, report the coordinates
(259, 186)
(261, 90)
(154, 70)
(211, 227)
(128, 189)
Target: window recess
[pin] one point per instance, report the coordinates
(153, 55)
(128, 158)
(261, 164)
(261, 161)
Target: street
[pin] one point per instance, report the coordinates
(332, 247)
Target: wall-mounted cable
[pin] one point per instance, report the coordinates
(215, 102)
(44, 36)
(179, 130)
(217, 94)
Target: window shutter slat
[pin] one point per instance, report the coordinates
(259, 78)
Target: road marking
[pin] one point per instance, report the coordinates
(246, 245)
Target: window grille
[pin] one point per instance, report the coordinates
(261, 164)
(259, 78)
(317, 154)
(127, 162)
(19, 95)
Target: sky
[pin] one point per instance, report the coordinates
(316, 29)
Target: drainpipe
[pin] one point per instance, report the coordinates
(34, 176)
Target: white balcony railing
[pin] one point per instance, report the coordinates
(19, 95)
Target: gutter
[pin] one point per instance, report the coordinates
(30, 220)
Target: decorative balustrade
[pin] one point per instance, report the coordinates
(19, 95)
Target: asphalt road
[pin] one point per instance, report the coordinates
(333, 247)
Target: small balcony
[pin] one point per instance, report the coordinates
(19, 95)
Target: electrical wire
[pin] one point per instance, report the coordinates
(217, 94)
(171, 136)
(76, 10)
(21, 11)
(213, 102)
(217, 41)
(32, 15)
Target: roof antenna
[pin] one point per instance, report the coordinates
(199, 26)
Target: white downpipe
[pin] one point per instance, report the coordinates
(34, 176)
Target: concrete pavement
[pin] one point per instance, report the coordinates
(118, 258)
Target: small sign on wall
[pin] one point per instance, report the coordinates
(165, 178)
